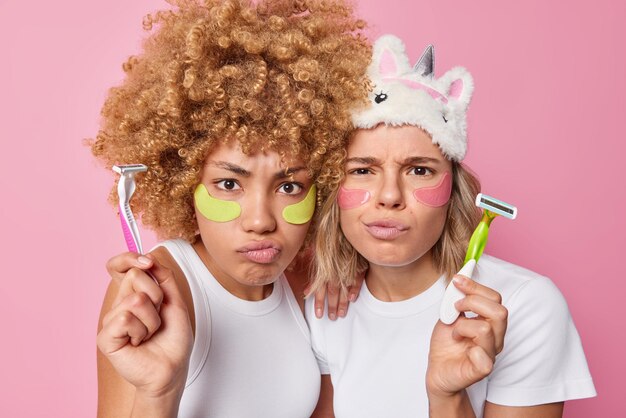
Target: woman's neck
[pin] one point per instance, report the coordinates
(393, 284)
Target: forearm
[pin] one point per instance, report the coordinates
(450, 406)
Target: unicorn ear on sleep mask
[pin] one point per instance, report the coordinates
(412, 96)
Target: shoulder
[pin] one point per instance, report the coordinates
(543, 360)
(337, 329)
(538, 312)
(318, 326)
(515, 283)
(499, 272)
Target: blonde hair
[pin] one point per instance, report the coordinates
(336, 262)
(279, 75)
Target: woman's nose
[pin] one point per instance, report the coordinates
(390, 194)
(257, 215)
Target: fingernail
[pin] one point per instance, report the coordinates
(341, 313)
(318, 312)
(144, 261)
(460, 280)
(352, 297)
(332, 316)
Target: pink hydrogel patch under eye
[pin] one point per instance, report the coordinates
(352, 198)
(435, 196)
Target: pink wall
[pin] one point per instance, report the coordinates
(544, 125)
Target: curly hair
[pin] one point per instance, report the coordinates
(275, 75)
(336, 261)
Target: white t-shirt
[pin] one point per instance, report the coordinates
(377, 356)
(249, 359)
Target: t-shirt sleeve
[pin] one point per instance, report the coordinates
(542, 360)
(318, 340)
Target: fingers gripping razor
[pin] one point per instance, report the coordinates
(491, 208)
(125, 189)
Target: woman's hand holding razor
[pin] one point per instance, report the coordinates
(464, 352)
(146, 335)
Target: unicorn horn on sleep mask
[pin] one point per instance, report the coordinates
(405, 95)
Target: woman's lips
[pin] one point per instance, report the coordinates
(263, 252)
(386, 229)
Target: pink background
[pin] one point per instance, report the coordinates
(546, 129)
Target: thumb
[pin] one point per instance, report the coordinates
(481, 362)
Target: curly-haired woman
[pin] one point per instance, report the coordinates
(232, 104)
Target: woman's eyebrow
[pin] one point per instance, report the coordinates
(283, 174)
(363, 160)
(234, 168)
(420, 160)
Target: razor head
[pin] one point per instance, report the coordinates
(129, 169)
(496, 206)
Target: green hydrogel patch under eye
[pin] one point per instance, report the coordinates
(301, 212)
(213, 209)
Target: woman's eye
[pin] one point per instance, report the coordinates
(228, 184)
(290, 188)
(421, 171)
(360, 171)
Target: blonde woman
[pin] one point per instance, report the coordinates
(404, 212)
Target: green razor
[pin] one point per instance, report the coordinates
(492, 207)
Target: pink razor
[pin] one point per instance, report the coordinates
(125, 189)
